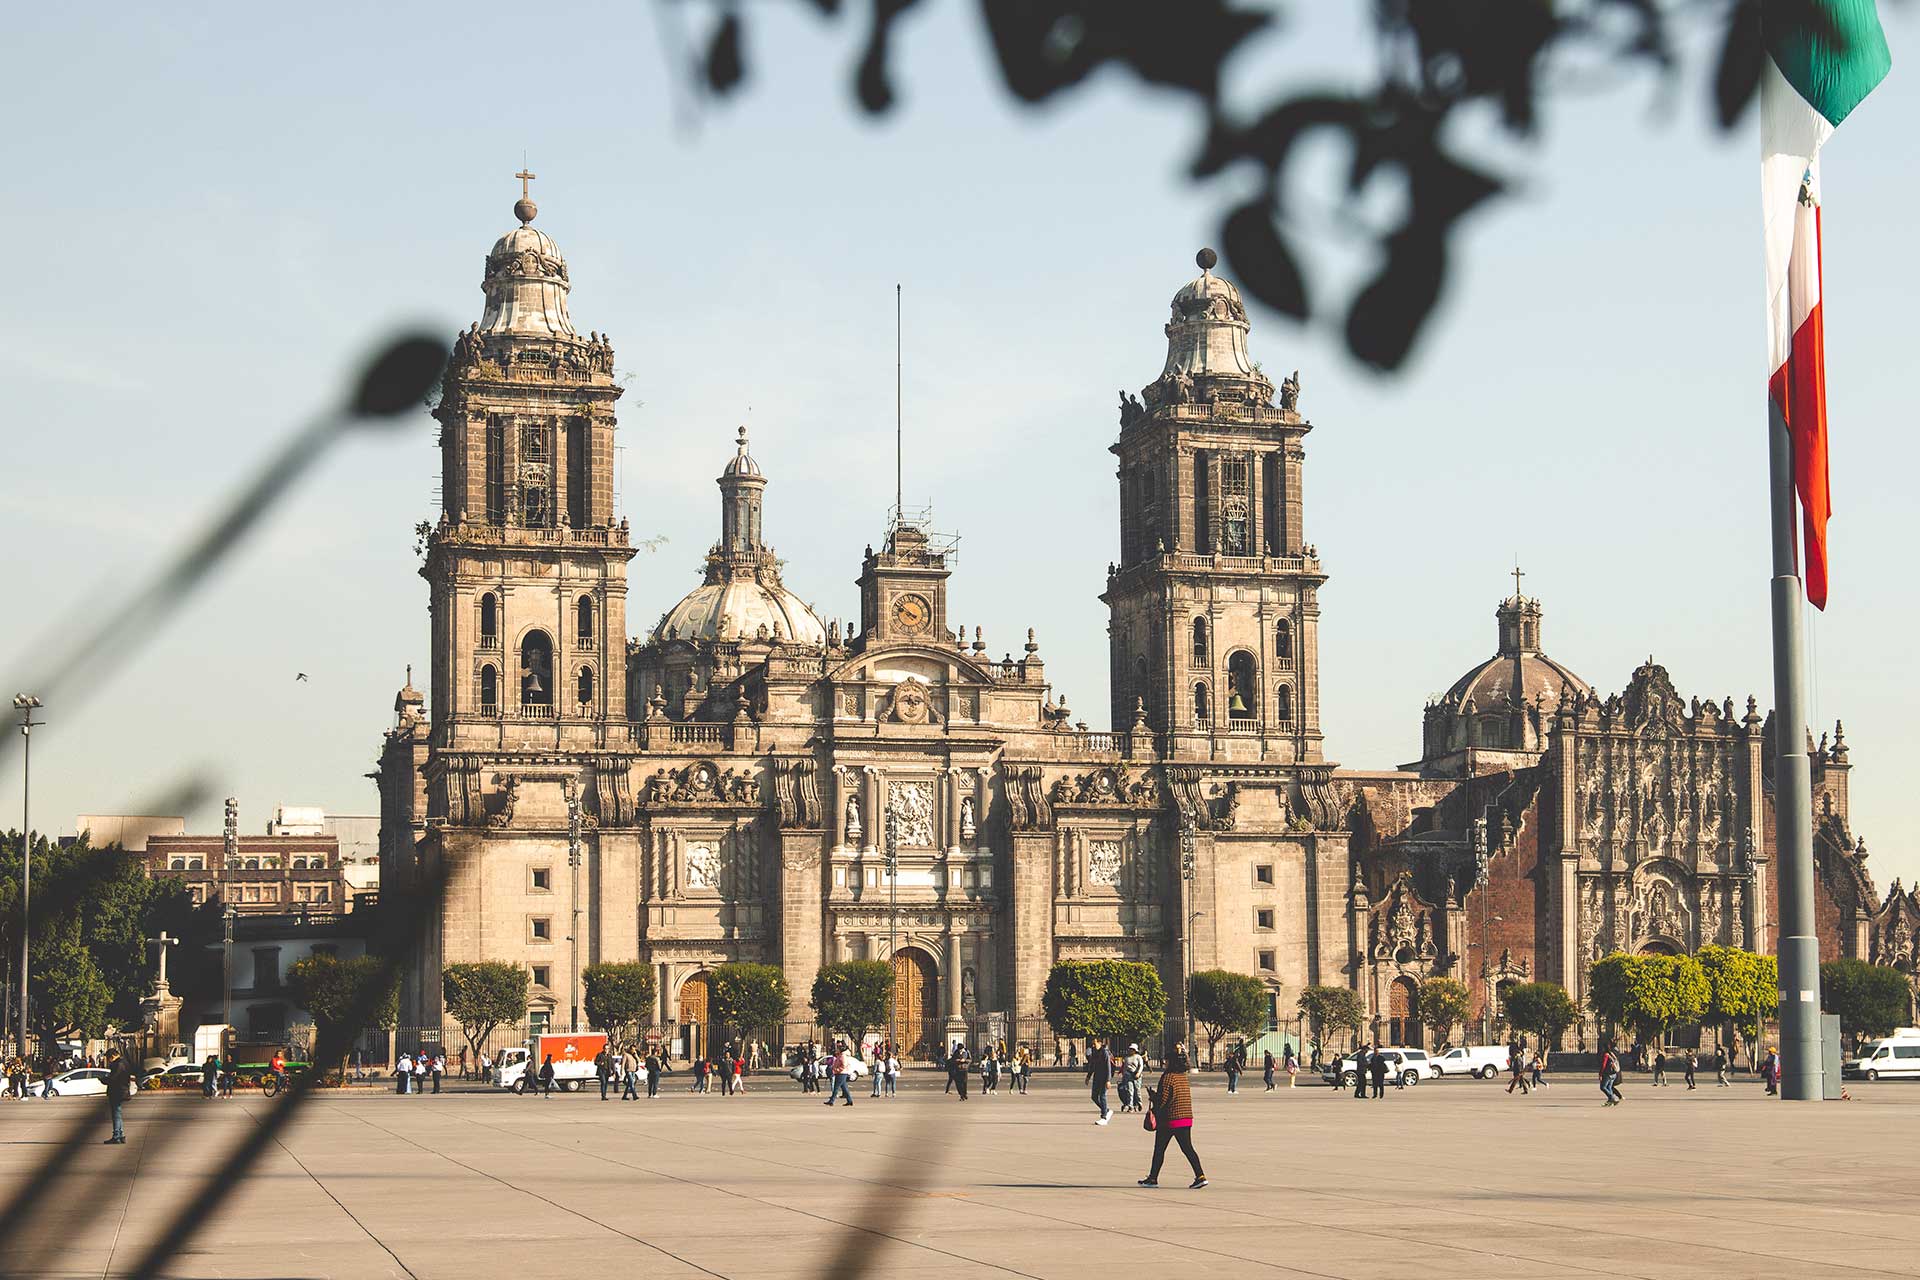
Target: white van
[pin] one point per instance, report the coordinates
(1895, 1057)
(1483, 1060)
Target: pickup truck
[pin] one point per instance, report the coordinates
(1483, 1060)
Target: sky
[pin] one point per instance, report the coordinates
(222, 209)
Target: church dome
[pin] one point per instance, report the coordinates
(526, 283)
(737, 610)
(742, 463)
(1518, 674)
(1207, 332)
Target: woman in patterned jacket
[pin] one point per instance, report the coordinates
(1172, 1111)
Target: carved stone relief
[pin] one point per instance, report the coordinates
(910, 813)
(1103, 862)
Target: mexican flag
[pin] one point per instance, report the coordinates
(1823, 58)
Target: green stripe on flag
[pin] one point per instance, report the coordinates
(1832, 52)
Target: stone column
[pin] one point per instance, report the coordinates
(874, 803)
(839, 817)
(956, 1023)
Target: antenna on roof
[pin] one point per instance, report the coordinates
(899, 501)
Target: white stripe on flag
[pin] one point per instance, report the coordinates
(1791, 134)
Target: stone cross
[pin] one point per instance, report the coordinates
(162, 942)
(525, 177)
(1517, 575)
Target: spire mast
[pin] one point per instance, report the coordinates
(899, 502)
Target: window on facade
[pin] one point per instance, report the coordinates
(1283, 642)
(1202, 712)
(542, 977)
(489, 690)
(1266, 962)
(533, 443)
(577, 473)
(178, 864)
(538, 1020)
(542, 879)
(536, 670)
(196, 864)
(496, 470)
(1271, 534)
(1283, 705)
(1202, 503)
(1263, 918)
(583, 621)
(1263, 874)
(1200, 658)
(1236, 532)
(489, 621)
(1243, 693)
(540, 928)
(535, 513)
(266, 968)
(583, 687)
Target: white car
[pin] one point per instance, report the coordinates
(1483, 1060)
(1407, 1066)
(179, 1071)
(86, 1082)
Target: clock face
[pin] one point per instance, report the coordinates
(912, 613)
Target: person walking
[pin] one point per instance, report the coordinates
(546, 1077)
(1610, 1076)
(990, 1072)
(957, 1061)
(1693, 1065)
(209, 1076)
(1267, 1069)
(630, 1075)
(891, 1070)
(1293, 1065)
(1770, 1071)
(1516, 1068)
(652, 1067)
(603, 1069)
(1099, 1072)
(1026, 1068)
(1540, 1067)
(1720, 1067)
(879, 1070)
(439, 1068)
(422, 1066)
(1379, 1064)
(1172, 1121)
(119, 1088)
(839, 1068)
(403, 1069)
(1233, 1070)
(1362, 1064)
(1136, 1073)
(1659, 1069)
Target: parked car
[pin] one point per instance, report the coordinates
(1483, 1060)
(178, 1073)
(86, 1082)
(1897, 1056)
(1408, 1066)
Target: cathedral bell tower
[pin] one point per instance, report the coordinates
(526, 567)
(1213, 604)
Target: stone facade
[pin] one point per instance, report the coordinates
(733, 786)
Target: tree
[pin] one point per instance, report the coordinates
(1743, 991)
(1543, 1009)
(851, 996)
(1105, 998)
(347, 998)
(1332, 1009)
(747, 997)
(1224, 1002)
(1648, 994)
(1871, 999)
(70, 997)
(619, 995)
(1443, 1005)
(483, 995)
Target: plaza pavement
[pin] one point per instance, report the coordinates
(1451, 1179)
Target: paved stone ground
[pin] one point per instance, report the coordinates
(1449, 1179)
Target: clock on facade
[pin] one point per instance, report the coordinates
(911, 613)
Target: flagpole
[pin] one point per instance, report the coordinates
(1798, 944)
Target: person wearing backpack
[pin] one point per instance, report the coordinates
(1610, 1076)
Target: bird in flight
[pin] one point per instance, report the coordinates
(300, 675)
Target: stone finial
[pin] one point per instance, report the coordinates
(1206, 259)
(1839, 741)
(1032, 648)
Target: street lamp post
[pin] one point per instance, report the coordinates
(1186, 879)
(227, 969)
(572, 789)
(26, 704)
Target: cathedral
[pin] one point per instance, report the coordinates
(747, 783)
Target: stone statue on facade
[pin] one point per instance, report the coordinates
(967, 828)
(1290, 391)
(854, 830)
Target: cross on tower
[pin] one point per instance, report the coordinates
(525, 177)
(1517, 575)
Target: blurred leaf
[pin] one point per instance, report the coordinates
(726, 66)
(1046, 45)
(872, 85)
(1387, 314)
(1262, 260)
(400, 377)
(1742, 58)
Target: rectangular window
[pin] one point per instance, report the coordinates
(1270, 498)
(266, 968)
(540, 928)
(1236, 529)
(538, 1020)
(1263, 874)
(542, 976)
(577, 473)
(542, 879)
(1202, 504)
(1263, 918)
(1266, 962)
(496, 469)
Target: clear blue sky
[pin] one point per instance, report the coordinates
(216, 208)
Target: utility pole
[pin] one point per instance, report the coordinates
(26, 704)
(227, 969)
(572, 789)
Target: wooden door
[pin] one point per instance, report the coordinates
(915, 1002)
(693, 1013)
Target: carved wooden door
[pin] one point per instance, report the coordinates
(915, 1002)
(693, 1013)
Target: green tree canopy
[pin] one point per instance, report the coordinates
(618, 997)
(1871, 999)
(1648, 994)
(486, 994)
(1443, 1004)
(1225, 1002)
(1543, 1009)
(747, 998)
(70, 995)
(1332, 1009)
(347, 998)
(1743, 989)
(851, 996)
(1105, 998)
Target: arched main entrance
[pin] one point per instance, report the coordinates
(693, 1014)
(1403, 1008)
(916, 1002)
